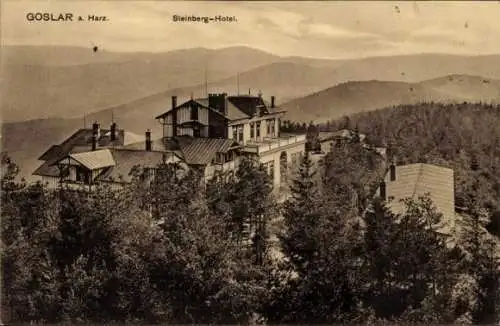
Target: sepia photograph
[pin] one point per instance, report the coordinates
(250, 162)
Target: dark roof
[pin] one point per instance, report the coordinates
(126, 160)
(201, 151)
(194, 150)
(53, 151)
(237, 107)
(82, 137)
(80, 141)
(232, 112)
(157, 145)
(190, 102)
(247, 104)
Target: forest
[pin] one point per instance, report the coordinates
(178, 251)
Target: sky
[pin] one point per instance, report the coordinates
(330, 29)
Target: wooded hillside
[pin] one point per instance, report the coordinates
(175, 252)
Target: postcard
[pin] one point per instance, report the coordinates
(255, 162)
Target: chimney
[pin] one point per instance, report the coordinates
(96, 130)
(174, 102)
(94, 141)
(383, 191)
(218, 102)
(113, 131)
(174, 116)
(148, 140)
(272, 101)
(392, 170)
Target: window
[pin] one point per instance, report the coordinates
(252, 130)
(268, 124)
(240, 133)
(272, 127)
(218, 158)
(196, 130)
(194, 112)
(82, 175)
(258, 129)
(235, 133)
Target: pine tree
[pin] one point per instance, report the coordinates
(410, 273)
(247, 204)
(301, 213)
(318, 247)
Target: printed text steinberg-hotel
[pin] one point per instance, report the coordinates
(204, 19)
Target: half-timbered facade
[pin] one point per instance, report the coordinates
(209, 134)
(250, 122)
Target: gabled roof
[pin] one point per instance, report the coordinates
(157, 145)
(116, 162)
(80, 141)
(237, 107)
(82, 137)
(127, 159)
(197, 102)
(416, 180)
(232, 112)
(94, 159)
(53, 151)
(201, 151)
(193, 150)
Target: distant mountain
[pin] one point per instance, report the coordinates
(36, 86)
(418, 67)
(469, 88)
(64, 83)
(43, 82)
(72, 56)
(353, 97)
(25, 141)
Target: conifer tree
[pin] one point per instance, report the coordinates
(247, 203)
(319, 252)
(301, 214)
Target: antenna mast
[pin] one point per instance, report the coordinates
(206, 83)
(238, 83)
